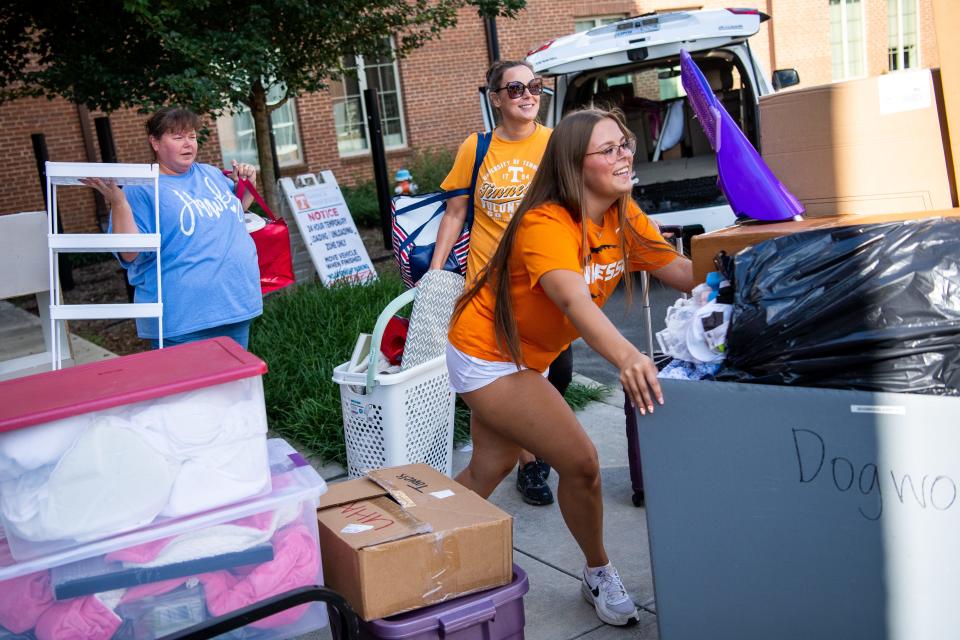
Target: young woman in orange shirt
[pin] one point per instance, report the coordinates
(509, 166)
(570, 241)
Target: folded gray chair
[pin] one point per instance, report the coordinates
(437, 295)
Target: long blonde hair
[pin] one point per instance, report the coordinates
(559, 179)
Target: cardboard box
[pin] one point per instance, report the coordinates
(876, 145)
(408, 537)
(946, 17)
(705, 246)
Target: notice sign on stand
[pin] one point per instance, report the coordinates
(327, 228)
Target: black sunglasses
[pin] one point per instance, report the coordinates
(515, 88)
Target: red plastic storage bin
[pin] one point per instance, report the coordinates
(496, 614)
(112, 446)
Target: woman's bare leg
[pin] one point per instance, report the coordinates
(524, 410)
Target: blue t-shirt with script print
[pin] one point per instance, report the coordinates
(208, 260)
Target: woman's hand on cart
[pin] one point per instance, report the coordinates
(638, 375)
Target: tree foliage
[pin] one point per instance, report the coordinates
(215, 56)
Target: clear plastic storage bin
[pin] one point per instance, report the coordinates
(150, 583)
(113, 446)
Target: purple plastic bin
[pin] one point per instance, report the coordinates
(496, 614)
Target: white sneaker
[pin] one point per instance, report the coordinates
(612, 602)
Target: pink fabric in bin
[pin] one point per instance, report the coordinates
(84, 618)
(23, 600)
(295, 564)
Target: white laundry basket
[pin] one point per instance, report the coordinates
(391, 419)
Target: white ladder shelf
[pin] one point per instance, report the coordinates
(60, 174)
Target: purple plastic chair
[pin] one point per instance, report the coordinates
(746, 180)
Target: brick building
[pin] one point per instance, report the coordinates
(429, 100)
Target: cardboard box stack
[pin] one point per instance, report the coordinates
(876, 145)
(872, 150)
(946, 17)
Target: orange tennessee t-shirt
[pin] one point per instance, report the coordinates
(504, 176)
(547, 239)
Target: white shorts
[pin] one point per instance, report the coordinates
(469, 374)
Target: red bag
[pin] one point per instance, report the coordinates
(394, 339)
(273, 246)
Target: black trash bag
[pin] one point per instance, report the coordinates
(874, 307)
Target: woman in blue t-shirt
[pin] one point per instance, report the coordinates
(210, 278)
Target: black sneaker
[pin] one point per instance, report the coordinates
(544, 468)
(532, 483)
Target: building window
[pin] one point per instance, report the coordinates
(350, 112)
(902, 49)
(238, 140)
(847, 39)
(585, 24)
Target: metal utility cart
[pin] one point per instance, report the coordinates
(344, 624)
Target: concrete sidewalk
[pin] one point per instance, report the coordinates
(21, 335)
(543, 547)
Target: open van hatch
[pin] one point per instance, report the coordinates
(644, 37)
(634, 65)
(674, 164)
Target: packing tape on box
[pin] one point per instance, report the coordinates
(445, 566)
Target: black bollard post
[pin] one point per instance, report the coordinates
(64, 268)
(493, 39)
(276, 158)
(108, 150)
(379, 157)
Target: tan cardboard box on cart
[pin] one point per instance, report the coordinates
(869, 146)
(733, 239)
(946, 20)
(407, 537)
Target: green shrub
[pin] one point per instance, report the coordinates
(429, 167)
(303, 334)
(362, 202)
(580, 395)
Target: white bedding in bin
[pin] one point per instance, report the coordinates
(97, 474)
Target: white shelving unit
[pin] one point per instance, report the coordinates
(61, 174)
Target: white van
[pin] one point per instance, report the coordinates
(634, 65)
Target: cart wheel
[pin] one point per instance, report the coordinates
(638, 498)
